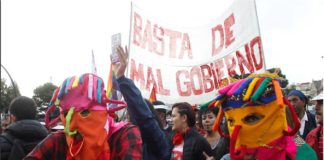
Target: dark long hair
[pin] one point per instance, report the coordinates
(185, 108)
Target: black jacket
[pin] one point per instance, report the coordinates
(310, 124)
(28, 132)
(194, 146)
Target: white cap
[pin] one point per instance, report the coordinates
(161, 107)
(318, 97)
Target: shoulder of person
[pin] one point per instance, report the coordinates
(313, 132)
(15, 147)
(126, 129)
(129, 126)
(6, 137)
(200, 140)
(6, 142)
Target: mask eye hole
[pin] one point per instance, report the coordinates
(85, 113)
(252, 119)
(230, 121)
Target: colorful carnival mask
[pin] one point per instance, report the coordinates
(256, 118)
(84, 113)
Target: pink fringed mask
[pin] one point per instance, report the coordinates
(255, 111)
(83, 105)
(81, 92)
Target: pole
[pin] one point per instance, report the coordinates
(12, 82)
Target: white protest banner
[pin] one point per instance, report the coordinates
(191, 64)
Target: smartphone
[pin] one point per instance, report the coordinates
(115, 42)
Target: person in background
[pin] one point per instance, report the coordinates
(304, 150)
(315, 136)
(154, 112)
(5, 121)
(300, 101)
(161, 110)
(155, 142)
(169, 121)
(23, 129)
(90, 133)
(218, 144)
(187, 142)
(198, 124)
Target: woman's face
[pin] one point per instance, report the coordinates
(177, 120)
(208, 120)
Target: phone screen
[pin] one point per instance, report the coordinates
(115, 42)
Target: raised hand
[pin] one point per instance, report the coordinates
(123, 60)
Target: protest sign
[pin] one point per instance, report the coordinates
(191, 64)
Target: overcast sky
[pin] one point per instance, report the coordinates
(50, 40)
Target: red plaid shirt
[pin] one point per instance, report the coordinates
(315, 140)
(124, 144)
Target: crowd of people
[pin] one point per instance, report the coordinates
(249, 119)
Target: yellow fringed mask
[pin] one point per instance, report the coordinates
(255, 113)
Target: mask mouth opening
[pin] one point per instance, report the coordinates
(76, 144)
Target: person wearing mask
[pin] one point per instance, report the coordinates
(24, 132)
(255, 112)
(315, 136)
(187, 142)
(90, 133)
(300, 101)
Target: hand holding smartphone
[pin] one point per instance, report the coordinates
(115, 42)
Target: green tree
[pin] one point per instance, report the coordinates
(43, 94)
(7, 94)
